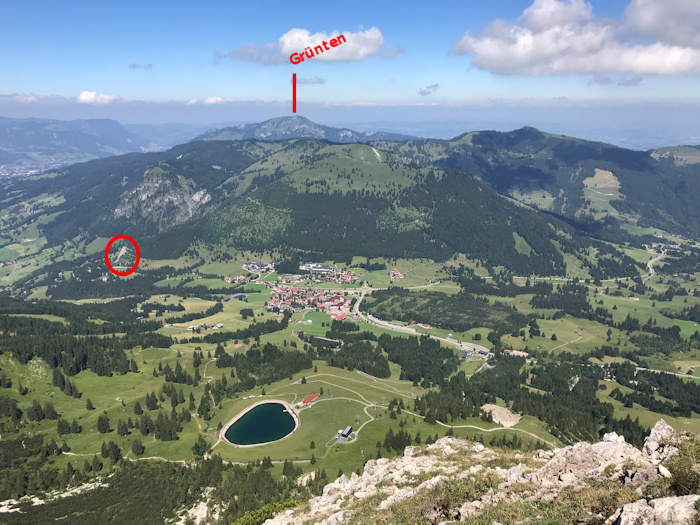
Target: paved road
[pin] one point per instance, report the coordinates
(664, 372)
(407, 329)
(650, 265)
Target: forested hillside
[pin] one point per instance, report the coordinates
(564, 175)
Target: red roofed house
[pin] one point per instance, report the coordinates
(310, 399)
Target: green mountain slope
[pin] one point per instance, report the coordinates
(306, 197)
(590, 182)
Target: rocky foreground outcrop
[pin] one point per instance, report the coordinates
(386, 484)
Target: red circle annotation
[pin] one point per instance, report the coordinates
(138, 256)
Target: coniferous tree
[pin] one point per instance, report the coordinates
(137, 447)
(96, 463)
(122, 428)
(75, 427)
(103, 424)
(35, 412)
(62, 427)
(88, 405)
(50, 411)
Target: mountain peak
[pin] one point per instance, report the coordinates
(297, 126)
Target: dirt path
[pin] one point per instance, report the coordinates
(564, 344)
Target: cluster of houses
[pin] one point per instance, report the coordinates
(320, 273)
(256, 267)
(316, 268)
(298, 299)
(237, 279)
(395, 274)
(7, 263)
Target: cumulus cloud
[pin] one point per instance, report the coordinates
(145, 67)
(429, 90)
(191, 102)
(312, 80)
(565, 37)
(358, 46)
(92, 97)
(675, 22)
(216, 100)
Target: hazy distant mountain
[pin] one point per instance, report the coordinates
(168, 135)
(55, 142)
(282, 128)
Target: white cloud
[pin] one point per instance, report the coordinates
(675, 22)
(92, 97)
(565, 37)
(216, 100)
(358, 46)
(192, 102)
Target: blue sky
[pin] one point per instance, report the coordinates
(161, 61)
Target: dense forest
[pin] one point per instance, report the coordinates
(460, 312)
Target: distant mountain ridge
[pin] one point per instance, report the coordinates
(282, 128)
(58, 142)
(593, 183)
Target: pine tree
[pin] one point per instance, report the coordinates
(122, 429)
(62, 427)
(75, 427)
(88, 405)
(313, 445)
(96, 463)
(137, 408)
(50, 411)
(137, 447)
(103, 424)
(35, 412)
(313, 459)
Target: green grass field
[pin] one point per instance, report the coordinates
(646, 417)
(351, 394)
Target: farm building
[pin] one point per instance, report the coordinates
(310, 399)
(345, 433)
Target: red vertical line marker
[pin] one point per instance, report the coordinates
(294, 92)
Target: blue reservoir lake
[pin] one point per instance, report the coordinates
(262, 424)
